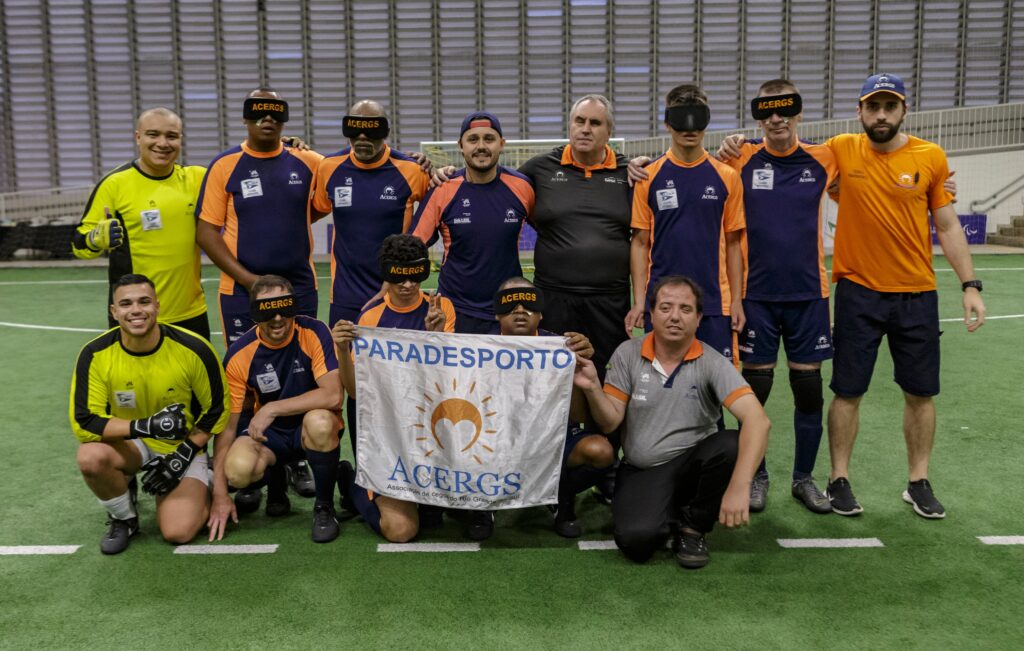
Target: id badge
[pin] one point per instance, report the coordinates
(151, 220)
(343, 196)
(125, 399)
(268, 382)
(762, 179)
(667, 199)
(251, 188)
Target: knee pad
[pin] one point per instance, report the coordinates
(806, 387)
(760, 380)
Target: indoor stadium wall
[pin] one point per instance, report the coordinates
(74, 73)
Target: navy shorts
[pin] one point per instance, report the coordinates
(803, 326)
(574, 435)
(234, 313)
(715, 332)
(284, 442)
(340, 312)
(910, 321)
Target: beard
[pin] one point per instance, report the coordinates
(483, 168)
(882, 137)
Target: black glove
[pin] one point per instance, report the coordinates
(164, 473)
(168, 424)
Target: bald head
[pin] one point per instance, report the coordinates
(368, 108)
(159, 111)
(268, 93)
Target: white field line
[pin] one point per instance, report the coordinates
(37, 550)
(596, 545)
(1002, 540)
(427, 547)
(987, 318)
(828, 543)
(33, 326)
(225, 549)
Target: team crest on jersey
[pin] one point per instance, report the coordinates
(645, 377)
(710, 193)
(348, 180)
(511, 217)
(693, 393)
(389, 194)
(822, 343)
(465, 203)
(763, 179)
(670, 183)
(297, 367)
(559, 177)
(767, 166)
(293, 179)
(254, 174)
(907, 180)
(807, 176)
(727, 352)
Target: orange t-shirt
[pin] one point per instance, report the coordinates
(883, 240)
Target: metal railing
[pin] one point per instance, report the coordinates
(975, 130)
(996, 199)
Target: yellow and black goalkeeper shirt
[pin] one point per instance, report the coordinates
(158, 218)
(109, 381)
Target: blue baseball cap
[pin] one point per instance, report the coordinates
(883, 83)
(480, 119)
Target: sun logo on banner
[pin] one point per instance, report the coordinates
(456, 410)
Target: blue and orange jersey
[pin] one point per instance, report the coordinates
(383, 314)
(688, 208)
(261, 201)
(270, 373)
(369, 202)
(479, 224)
(782, 192)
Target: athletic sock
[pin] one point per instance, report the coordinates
(120, 507)
(576, 479)
(762, 468)
(807, 413)
(277, 482)
(808, 439)
(366, 507)
(325, 473)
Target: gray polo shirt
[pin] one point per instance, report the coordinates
(665, 414)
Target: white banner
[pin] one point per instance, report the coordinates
(461, 421)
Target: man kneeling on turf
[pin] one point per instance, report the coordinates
(404, 264)
(679, 468)
(147, 396)
(286, 365)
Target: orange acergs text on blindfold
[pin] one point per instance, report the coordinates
(257, 108)
(785, 106)
(374, 128)
(397, 272)
(530, 298)
(265, 309)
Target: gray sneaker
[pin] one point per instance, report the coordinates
(807, 492)
(759, 492)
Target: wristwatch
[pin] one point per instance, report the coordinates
(976, 284)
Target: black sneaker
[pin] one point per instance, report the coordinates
(919, 494)
(247, 500)
(808, 494)
(566, 524)
(840, 494)
(278, 505)
(431, 517)
(759, 492)
(116, 539)
(691, 550)
(325, 524)
(480, 526)
(300, 477)
(346, 480)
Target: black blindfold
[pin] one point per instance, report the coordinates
(257, 108)
(529, 297)
(373, 128)
(786, 106)
(692, 117)
(265, 309)
(397, 272)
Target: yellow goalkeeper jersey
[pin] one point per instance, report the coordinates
(158, 218)
(111, 382)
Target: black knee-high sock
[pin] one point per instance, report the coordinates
(576, 479)
(350, 423)
(760, 381)
(276, 480)
(807, 414)
(325, 473)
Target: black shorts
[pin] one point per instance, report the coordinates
(601, 317)
(910, 321)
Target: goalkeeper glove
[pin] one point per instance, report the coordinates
(168, 424)
(163, 474)
(106, 235)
